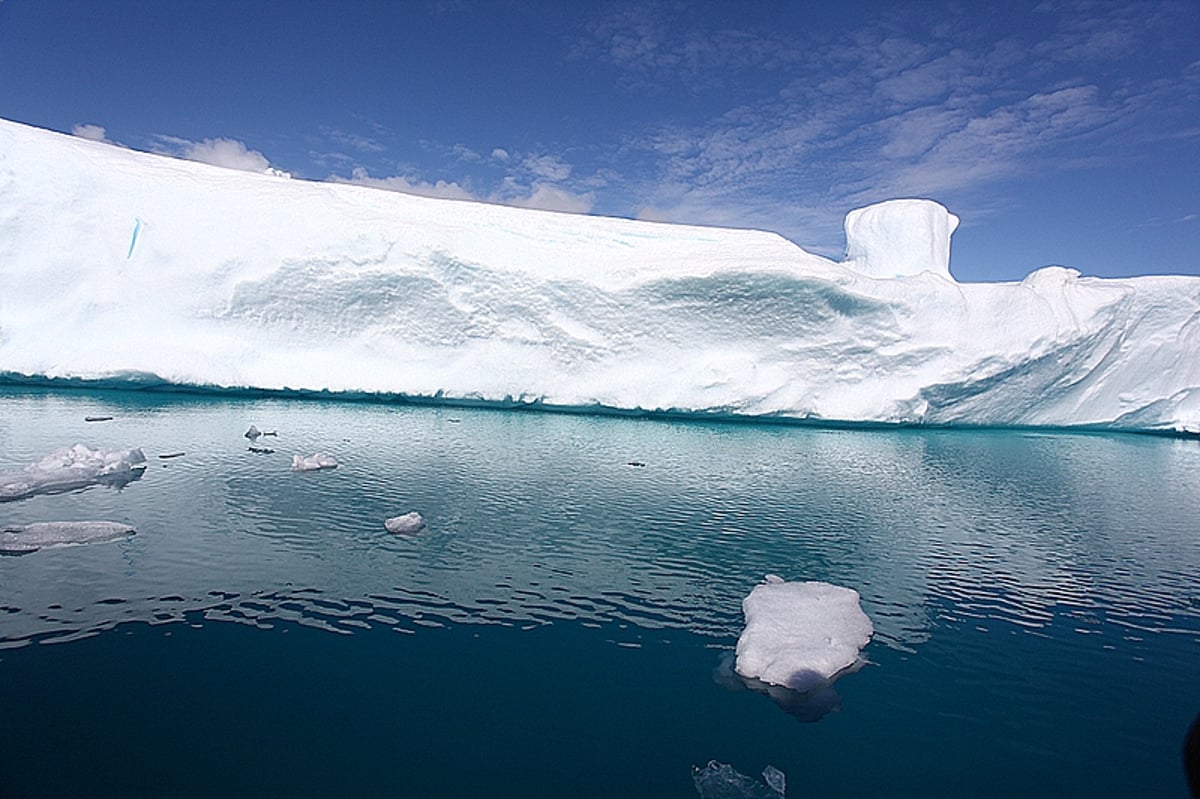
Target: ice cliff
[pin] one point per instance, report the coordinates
(118, 265)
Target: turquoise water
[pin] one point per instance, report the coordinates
(561, 627)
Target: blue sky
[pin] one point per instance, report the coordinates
(1060, 132)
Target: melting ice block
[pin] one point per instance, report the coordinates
(406, 524)
(800, 634)
(19, 539)
(720, 781)
(72, 467)
(312, 463)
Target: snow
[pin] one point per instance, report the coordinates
(70, 468)
(20, 539)
(409, 523)
(313, 463)
(122, 266)
(800, 635)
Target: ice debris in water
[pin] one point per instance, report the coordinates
(409, 523)
(312, 463)
(719, 781)
(800, 634)
(253, 433)
(70, 468)
(19, 539)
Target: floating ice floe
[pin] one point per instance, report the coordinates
(406, 524)
(253, 433)
(72, 467)
(720, 781)
(20, 539)
(313, 463)
(800, 634)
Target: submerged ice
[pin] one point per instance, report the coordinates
(248, 281)
(20, 539)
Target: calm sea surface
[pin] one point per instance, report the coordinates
(563, 628)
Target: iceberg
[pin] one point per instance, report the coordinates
(21, 539)
(247, 282)
(70, 468)
(800, 635)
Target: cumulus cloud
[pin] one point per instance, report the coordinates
(405, 185)
(547, 197)
(228, 153)
(91, 132)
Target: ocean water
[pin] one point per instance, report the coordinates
(563, 628)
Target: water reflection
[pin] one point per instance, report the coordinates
(539, 519)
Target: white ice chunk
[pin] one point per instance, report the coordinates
(72, 467)
(900, 238)
(312, 463)
(409, 523)
(800, 634)
(18, 539)
(253, 433)
(721, 781)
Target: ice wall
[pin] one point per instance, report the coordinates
(122, 265)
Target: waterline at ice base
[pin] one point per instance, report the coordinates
(120, 267)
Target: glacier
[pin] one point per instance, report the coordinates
(121, 267)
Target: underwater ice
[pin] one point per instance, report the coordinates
(409, 523)
(19, 539)
(800, 634)
(313, 463)
(720, 781)
(72, 467)
(252, 282)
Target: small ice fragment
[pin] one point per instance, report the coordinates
(97, 418)
(719, 781)
(70, 468)
(312, 463)
(800, 635)
(167, 455)
(253, 433)
(19, 539)
(407, 524)
(261, 450)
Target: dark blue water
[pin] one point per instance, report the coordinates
(560, 629)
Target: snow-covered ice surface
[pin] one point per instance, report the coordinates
(70, 468)
(20, 539)
(121, 266)
(800, 634)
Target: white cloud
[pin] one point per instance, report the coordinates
(91, 132)
(546, 197)
(228, 153)
(441, 189)
(500, 154)
(549, 167)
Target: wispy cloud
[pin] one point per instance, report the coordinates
(874, 113)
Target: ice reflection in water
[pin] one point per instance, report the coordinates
(537, 519)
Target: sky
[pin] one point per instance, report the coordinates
(1060, 133)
